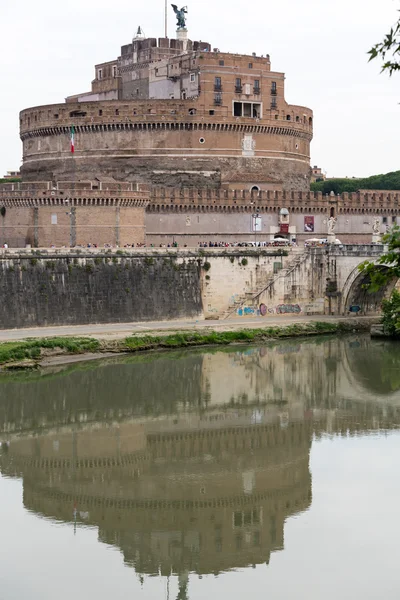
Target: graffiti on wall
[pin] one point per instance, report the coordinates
(284, 309)
(246, 311)
(263, 310)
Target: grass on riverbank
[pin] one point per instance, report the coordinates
(35, 348)
(32, 351)
(218, 338)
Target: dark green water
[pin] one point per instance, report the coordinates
(267, 471)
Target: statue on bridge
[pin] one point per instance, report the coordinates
(376, 232)
(180, 15)
(331, 225)
(376, 227)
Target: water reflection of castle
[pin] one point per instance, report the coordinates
(194, 467)
(203, 499)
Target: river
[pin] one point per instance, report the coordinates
(265, 471)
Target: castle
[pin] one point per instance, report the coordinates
(175, 113)
(176, 142)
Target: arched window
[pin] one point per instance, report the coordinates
(255, 189)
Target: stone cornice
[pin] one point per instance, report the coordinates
(165, 124)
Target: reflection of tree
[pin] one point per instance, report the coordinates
(377, 366)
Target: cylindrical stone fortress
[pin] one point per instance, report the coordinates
(162, 143)
(189, 118)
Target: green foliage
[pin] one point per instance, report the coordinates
(388, 50)
(244, 262)
(388, 266)
(391, 315)
(207, 266)
(381, 274)
(28, 349)
(388, 181)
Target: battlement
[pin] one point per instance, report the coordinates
(160, 198)
(81, 193)
(250, 201)
(110, 115)
(141, 45)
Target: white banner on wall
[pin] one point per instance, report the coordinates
(256, 223)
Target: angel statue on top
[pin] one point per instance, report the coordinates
(180, 15)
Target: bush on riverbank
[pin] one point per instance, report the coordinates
(391, 315)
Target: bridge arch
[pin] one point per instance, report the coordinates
(354, 292)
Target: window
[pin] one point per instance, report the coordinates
(100, 113)
(250, 65)
(218, 99)
(238, 85)
(221, 63)
(212, 113)
(288, 117)
(117, 111)
(273, 88)
(247, 109)
(384, 220)
(217, 84)
(256, 86)
(192, 77)
(192, 111)
(394, 219)
(247, 518)
(114, 71)
(99, 73)
(54, 219)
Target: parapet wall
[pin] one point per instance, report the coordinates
(152, 114)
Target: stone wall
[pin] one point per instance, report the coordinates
(62, 290)
(163, 142)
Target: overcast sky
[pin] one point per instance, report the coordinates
(48, 51)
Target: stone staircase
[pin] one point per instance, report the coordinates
(249, 298)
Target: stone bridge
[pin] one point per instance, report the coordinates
(312, 281)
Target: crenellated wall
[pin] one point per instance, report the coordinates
(107, 212)
(41, 214)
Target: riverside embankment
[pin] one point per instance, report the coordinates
(37, 347)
